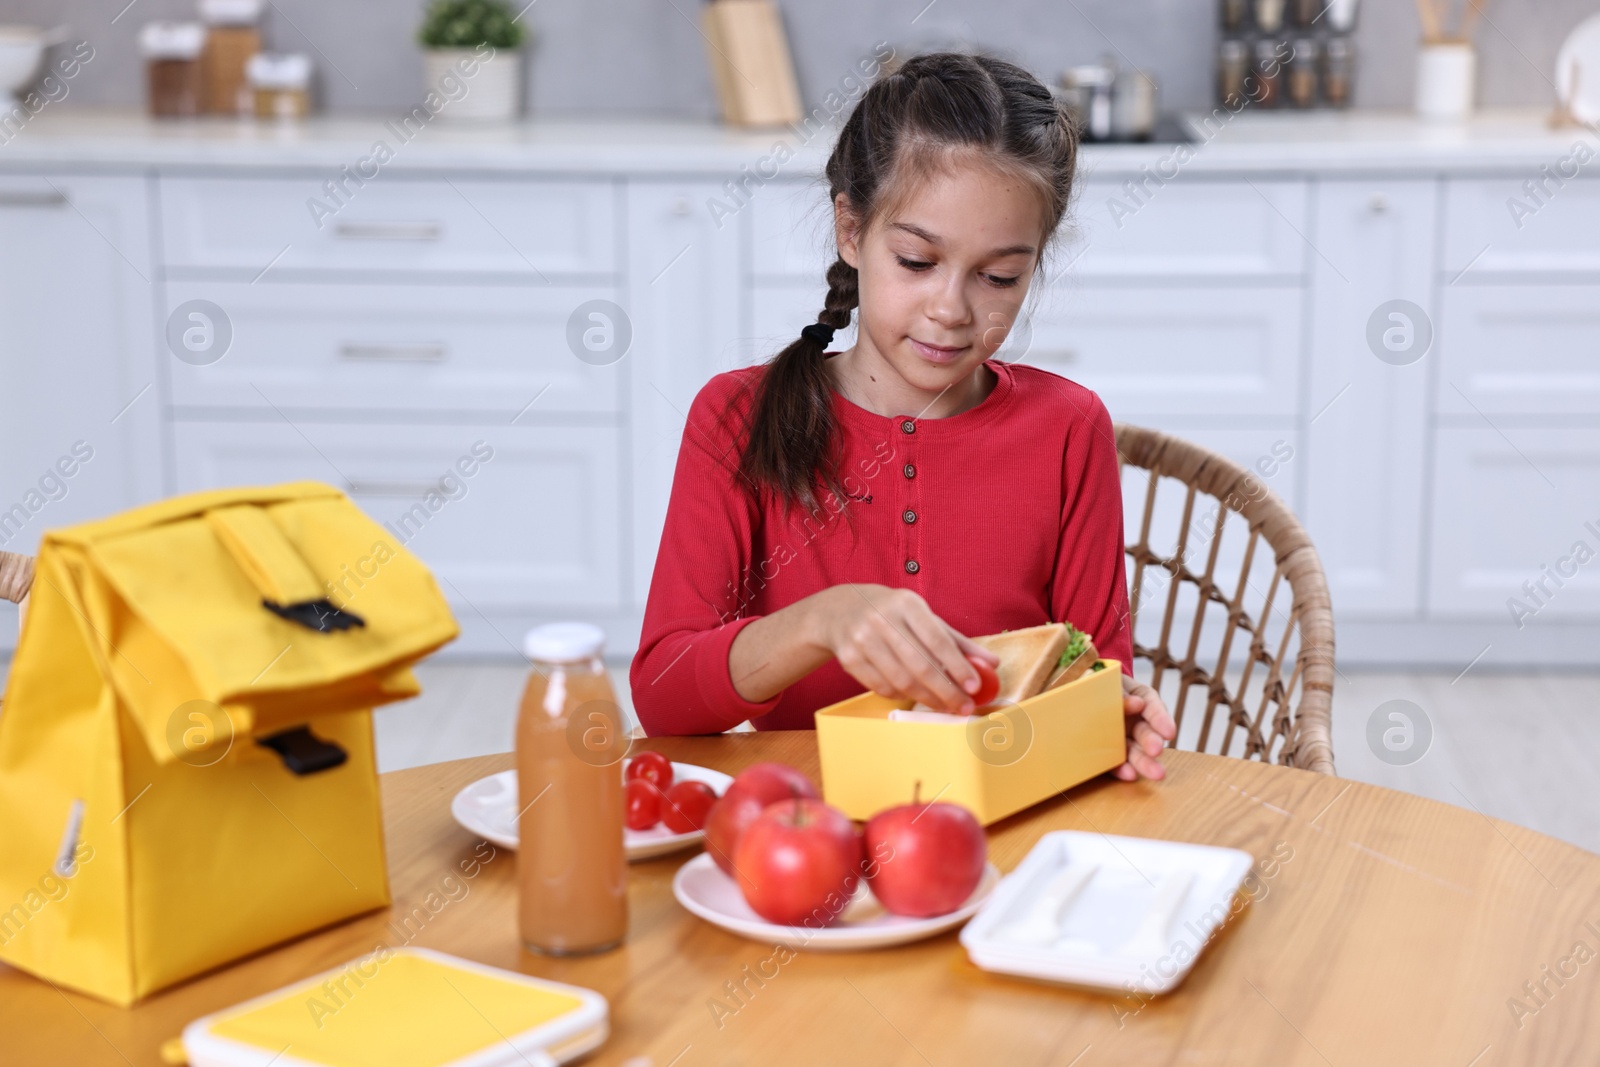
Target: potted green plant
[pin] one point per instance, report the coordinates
(472, 58)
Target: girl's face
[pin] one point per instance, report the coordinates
(943, 277)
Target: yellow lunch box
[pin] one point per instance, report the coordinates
(994, 765)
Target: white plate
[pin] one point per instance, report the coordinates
(488, 808)
(1582, 47)
(701, 887)
(1106, 936)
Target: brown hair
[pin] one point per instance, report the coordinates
(905, 128)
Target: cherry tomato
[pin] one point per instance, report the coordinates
(988, 682)
(686, 807)
(653, 767)
(643, 805)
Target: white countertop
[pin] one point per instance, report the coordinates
(1313, 142)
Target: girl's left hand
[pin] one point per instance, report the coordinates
(1149, 726)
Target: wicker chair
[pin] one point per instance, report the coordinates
(1283, 712)
(16, 576)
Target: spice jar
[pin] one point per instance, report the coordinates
(1338, 62)
(1233, 65)
(1304, 13)
(280, 84)
(1233, 15)
(1342, 15)
(1268, 73)
(171, 53)
(1269, 15)
(1303, 72)
(232, 37)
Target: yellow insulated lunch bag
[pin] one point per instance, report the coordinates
(186, 757)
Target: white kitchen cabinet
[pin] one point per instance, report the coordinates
(78, 389)
(791, 232)
(778, 312)
(539, 523)
(526, 228)
(1520, 350)
(1516, 505)
(1191, 227)
(1182, 351)
(492, 351)
(684, 296)
(1497, 229)
(1228, 304)
(1367, 418)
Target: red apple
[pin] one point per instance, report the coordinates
(752, 790)
(798, 863)
(927, 858)
(772, 782)
(726, 824)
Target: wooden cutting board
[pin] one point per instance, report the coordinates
(750, 62)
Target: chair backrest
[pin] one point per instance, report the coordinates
(16, 576)
(1275, 695)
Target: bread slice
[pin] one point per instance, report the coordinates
(1027, 658)
(1080, 664)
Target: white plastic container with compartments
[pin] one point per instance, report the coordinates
(1125, 913)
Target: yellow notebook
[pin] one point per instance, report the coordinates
(407, 1007)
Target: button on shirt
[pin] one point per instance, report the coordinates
(1006, 515)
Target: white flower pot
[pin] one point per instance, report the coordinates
(480, 85)
(1446, 78)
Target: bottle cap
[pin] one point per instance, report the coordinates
(267, 70)
(564, 642)
(172, 40)
(230, 12)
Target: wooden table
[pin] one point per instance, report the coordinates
(1386, 929)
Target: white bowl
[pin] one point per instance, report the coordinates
(21, 48)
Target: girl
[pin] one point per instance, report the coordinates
(843, 519)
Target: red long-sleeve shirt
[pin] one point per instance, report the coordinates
(1004, 516)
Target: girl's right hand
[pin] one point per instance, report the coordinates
(890, 641)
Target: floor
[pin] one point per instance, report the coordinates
(1521, 747)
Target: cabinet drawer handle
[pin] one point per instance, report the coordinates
(389, 231)
(406, 489)
(431, 353)
(1053, 355)
(19, 198)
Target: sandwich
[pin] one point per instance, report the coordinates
(1077, 659)
(1028, 658)
(1032, 660)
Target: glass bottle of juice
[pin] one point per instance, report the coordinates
(572, 871)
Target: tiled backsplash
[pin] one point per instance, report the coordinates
(646, 57)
